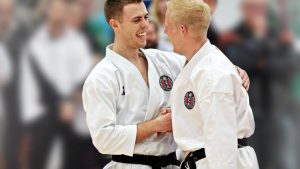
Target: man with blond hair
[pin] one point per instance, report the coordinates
(211, 115)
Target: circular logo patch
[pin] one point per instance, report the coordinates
(166, 83)
(189, 100)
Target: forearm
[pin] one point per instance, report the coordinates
(145, 130)
(162, 124)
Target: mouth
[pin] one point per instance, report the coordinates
(141, 35)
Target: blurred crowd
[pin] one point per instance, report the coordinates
(48, 47)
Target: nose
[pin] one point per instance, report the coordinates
(145, 23)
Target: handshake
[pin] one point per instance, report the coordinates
(164, 121)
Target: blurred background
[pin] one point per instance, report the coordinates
(48, 47)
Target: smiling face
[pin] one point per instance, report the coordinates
(131, 27)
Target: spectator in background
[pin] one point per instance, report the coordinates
(212, 33)
(152, 35)
(55, 63)
(84, 154)
(158, 10)
(95, 28)
(13, 34)
(76, 16)
(267, 57)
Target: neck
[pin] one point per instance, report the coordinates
(193, 46)
(125, 51)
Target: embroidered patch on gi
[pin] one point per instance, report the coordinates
(166, 83)
(189, 100)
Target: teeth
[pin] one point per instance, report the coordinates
(142, 34)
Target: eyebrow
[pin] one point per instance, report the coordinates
(138, 17)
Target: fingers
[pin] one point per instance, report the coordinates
(248, 86)
(245, 78)
(164, 110)
(246, 81)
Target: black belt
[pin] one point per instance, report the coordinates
(156, 162)
(191, 159)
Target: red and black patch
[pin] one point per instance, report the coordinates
(166, 83)
(189, 100)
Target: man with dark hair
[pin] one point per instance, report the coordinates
(122, 105)
(126, 94)
(114, 8)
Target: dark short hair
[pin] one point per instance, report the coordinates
(114, 8)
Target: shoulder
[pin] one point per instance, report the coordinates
(166, 57)
(104, 73)
(216, 78)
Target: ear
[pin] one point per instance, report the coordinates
(114, 24)
(183, 30)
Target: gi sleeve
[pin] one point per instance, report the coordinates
(218, 108)
(99, 100)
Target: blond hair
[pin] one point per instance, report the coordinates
(193, 13)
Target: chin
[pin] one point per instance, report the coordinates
(142, 45)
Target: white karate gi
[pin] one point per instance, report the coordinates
(211, 110)
(116, 99)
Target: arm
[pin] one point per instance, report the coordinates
(108, 136)
(100, 107)
(161, 124)
(220, 127)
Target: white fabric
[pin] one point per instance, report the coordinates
(115, 165)
(65, 62)
(221, 114)
(5, 66)
(112, 117)
(5, 76)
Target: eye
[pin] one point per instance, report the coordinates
(136, 20)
